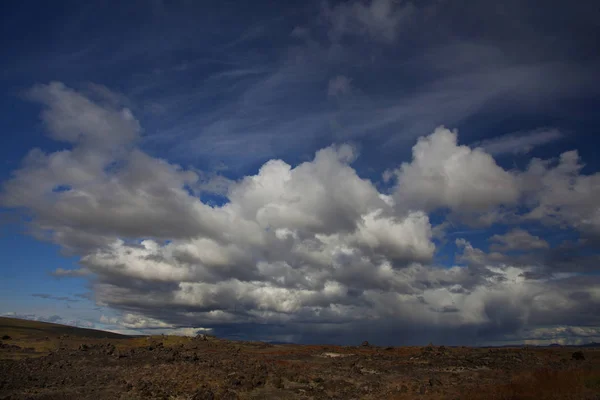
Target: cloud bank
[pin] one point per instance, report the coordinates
(313, 252)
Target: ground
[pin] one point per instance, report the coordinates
(48, 361)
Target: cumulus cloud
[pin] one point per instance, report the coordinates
(74, 118)
(137, 322)
(129, 324)
(518, 239)
(84, 197)
(311, 252)
(558, 194)
(473, 256)
(443, 174)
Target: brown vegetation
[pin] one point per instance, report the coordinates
(40, 363)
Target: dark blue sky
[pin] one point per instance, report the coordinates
(144, 112)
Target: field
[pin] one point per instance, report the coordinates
(48, 361)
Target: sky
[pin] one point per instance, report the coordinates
(401, 172)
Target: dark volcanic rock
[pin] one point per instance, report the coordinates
(434, 381)
(277, 382)
(9, 346)
(203, 393)
(181, 369)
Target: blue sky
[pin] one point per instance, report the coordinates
(303, 171)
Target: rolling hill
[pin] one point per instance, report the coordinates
(19, 329)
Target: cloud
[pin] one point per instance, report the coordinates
(534, 257)
(137, 322)
(108, 320)
(339, 86)
(437, 74)
(74, 118)
(129, 324)
(557, 194)
(300, 32)
(52, 297)
(377, 19)
(61, 272)
(520, 142)
(65, 189)
(517, 239)
(444, 174)
(309, 252)
(564, 335)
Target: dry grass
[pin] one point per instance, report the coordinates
(575, 384)
(25, 329)
(401, 372)
(43, 337)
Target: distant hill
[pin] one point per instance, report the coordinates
(22, 328)
(552, 345)
(592, 344)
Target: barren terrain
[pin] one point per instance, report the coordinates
(48, 361)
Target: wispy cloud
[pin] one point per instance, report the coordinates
(520, 142)
(378, 19)
(52, 297)
(339, 85)
(62, 273)
(209, 98)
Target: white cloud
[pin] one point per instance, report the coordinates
(133, 321)
(444, 174)
(296, 249)
(73, 118)
(557, 193)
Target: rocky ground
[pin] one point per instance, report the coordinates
(209, 368)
